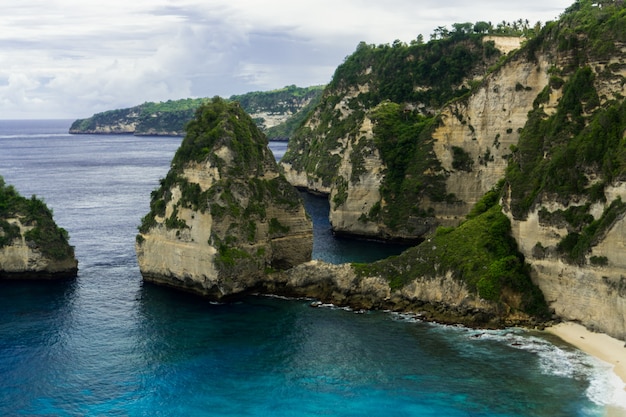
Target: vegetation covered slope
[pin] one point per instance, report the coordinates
(33, 213)
(480, 253)
(164, 118)
(279, 112)
(218, 124)
(276, 112)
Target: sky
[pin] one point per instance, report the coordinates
(69, 59)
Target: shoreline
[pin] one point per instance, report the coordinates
(600, 345)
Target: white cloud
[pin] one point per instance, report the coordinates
(72, 58)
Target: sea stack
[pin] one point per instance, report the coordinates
(224, 216)
(32, 246)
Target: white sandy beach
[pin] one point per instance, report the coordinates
(602, 346)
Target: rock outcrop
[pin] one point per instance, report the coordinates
(31, 244)
(224, 216)
(407, 139)
(442, 299)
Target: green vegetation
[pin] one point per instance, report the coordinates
(431, 73)
(577, 244)
(461, 160)
(590, 29)
(283, 100)
(555, 153)
(50, 239)
(285, 130)
(573, 153)
(277, 228)
(480, 252)
(404, 139)
(520, 27)
(219, 123)
(228, 256)
(9, 232)
(599, 260)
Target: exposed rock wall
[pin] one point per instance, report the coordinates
(485, 126)
(505, 44)
(350, 167)
(360, 189)
(594, 295)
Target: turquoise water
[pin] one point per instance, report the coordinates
(108, 344)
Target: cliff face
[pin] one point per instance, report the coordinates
(224, 215)
(548, 122)
(470, 146)
(483, 128)
(24, 259)
(31, 245)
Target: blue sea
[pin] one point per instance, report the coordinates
(107, 344)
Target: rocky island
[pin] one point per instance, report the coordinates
(225, 216)
(32, 246)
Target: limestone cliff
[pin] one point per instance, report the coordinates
(31, 245)
(549, 120)
(224, 215)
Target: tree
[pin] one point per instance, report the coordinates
(440, 33)
(482, 27)
(461, 28)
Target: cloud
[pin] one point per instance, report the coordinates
(71, 58)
